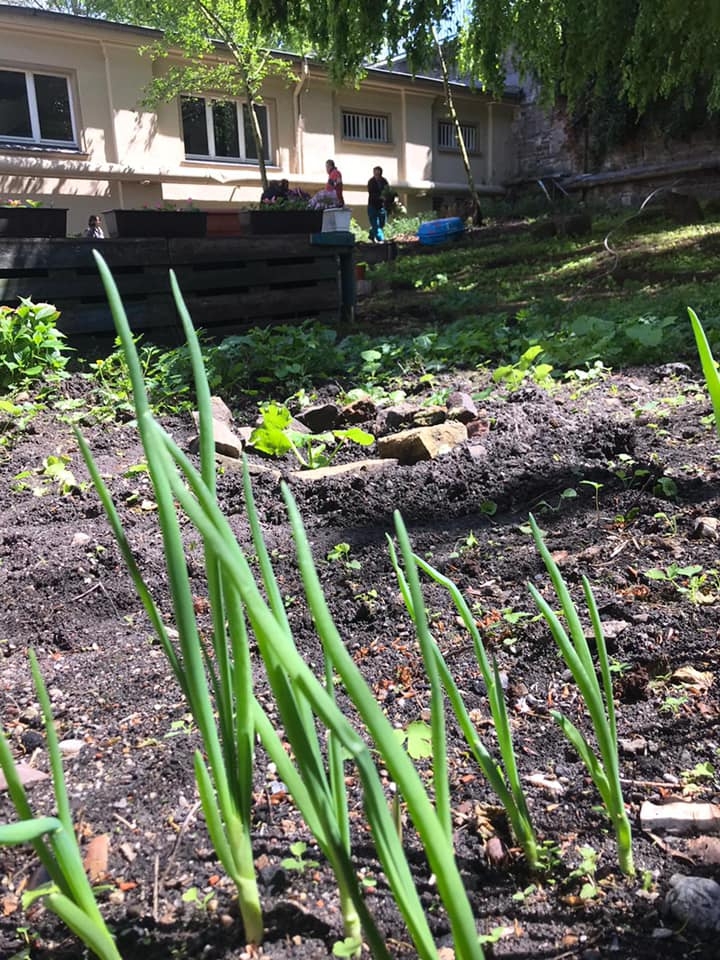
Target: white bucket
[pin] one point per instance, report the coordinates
(336, 218)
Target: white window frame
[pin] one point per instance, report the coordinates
(36, 138)
(447, 136)
(363, 119)
(209, 99)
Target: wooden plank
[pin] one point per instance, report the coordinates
(259, 274)
(72, 286)
(73, 254)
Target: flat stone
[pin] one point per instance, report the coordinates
(422, 443)
(339, 469)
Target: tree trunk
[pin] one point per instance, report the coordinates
(450, 102)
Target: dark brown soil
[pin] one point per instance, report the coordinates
(644, 468)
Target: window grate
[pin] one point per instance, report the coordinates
(448, 140)
(367, 127)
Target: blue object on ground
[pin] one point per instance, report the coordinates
(438, 231)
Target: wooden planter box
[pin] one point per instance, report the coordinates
(227, 223)
(285, 221)
(155, 223)
(32, 222)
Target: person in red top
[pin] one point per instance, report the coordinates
(335, 181)
(332, 194)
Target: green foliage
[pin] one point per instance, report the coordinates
(32, 348)
(167, 378)
(283, 358)
(276, 437)
(513, 375)
(709, 366)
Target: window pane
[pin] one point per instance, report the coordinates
(261, 114)
(225, 125)
(14, 110)
(53, 104)
(194, 126)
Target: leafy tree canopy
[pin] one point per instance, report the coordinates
(656, 48)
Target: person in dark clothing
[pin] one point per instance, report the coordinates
(276, 190)
(377, 214)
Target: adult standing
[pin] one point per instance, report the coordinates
(377, 214)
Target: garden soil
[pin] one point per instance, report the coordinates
(623, 477)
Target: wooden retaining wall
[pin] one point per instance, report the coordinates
(226, 281)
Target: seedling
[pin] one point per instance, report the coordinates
(513, 375)
(465, 546)
(340, 554)
(586, 871)
(694, 780)
(193, 895)
(54, 473)
(299, 862)
(418, 738)
(597, 487)
(686, 580)
(673, 705)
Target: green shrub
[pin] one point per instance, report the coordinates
(31, 346)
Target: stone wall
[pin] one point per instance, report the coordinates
(549, 149)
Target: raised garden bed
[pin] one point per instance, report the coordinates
(155, 223)
(32, 222)
(285, 221)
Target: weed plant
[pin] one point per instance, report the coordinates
(31, 345)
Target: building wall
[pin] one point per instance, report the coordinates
(131, 156)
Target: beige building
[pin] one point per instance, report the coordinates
(73, 132)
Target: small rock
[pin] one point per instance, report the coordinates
(694, 901)
(706, 528)
(71, 748)
(320, 417)
(461, 406)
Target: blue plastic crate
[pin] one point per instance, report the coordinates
(438, 231)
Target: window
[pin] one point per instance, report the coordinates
(370, 127)
(221, 129)
(35, 108)
(447, 136)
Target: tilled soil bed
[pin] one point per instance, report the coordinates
(618, 473)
